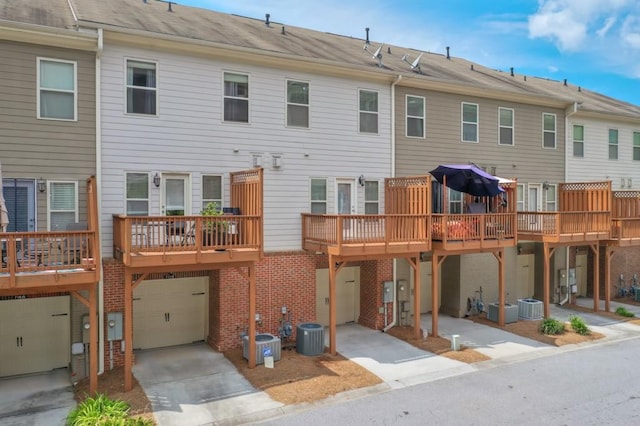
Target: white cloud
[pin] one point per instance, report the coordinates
(630, 33)
(552, 68)
(607, 26)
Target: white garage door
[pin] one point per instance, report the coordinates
(170, 312)
(34, 335)
(347, 295)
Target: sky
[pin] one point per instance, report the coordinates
(592, 43)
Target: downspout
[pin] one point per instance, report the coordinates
(99, 195)
(393, 174)
(566, 177)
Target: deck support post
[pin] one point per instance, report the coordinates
(252, 315)
(499, 255)
(607, 278)
(596, 277)
(414, 262)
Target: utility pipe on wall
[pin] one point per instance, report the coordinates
(99, 195)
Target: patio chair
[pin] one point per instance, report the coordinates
(73, 247)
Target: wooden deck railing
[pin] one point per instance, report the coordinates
(564, 223)
(36, 252)
(625, 228)
(473, 227)
(146, 234)
(341, 230)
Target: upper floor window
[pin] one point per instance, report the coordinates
(455, 201)
(137, 194)
(415, 116)
(142, 93)
(578, 141)
(63, 204)
(371, 197)
(636, 146)
(319, 196)
(297, 104)
(548, 130)
(505, 123)
(212, 190)
(57, 99)
(469, 122)
(550, 198)
(520, 197)
(236, 97)
(368, 111)
(613, 144)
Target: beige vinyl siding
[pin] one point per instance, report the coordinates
(51, 149)
(525, 159)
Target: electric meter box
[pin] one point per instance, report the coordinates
(387, 292)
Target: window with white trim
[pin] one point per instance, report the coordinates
(236, 97)
(520, 206)
(548, 130)
(368, 105)
(455, 201)
(636, 146)
(469, 114)
(297, 104)
(578, 141)
(371, 197)
(62, 204)
(613, 144)
(142, 91)
(550, 198)
(318, 189)
(415, 107)
(137, 194)
(505, 124)
(212, 190)
(57, 86)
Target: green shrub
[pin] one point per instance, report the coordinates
(579, 326)
(102, 411)
(622, 311)
(551, 326)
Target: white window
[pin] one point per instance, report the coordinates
(455, 201)
(415, 116)
(505, 124)
(297, 104)
(62, 204)
(137, 194)
(142, 93)
(371, 197)
(578, 141)
(368, 111)
(319, 196)
(212, 190)
(520, 197)
(548, 130)
(613, 144)
(57, 86)
(636, 146)
(469, 122)
(550, 198)
(236, 97)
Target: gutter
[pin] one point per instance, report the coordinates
(99, 195)
(393, 174)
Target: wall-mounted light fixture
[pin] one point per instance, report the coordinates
(545, 185)
(361, 180)
(156, 180)
(42, 185)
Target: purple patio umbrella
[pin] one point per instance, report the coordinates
(467, 178)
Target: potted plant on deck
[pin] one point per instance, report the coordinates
(214, 231)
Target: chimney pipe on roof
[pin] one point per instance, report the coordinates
(565, 82)
(367, 31)
(266, 21)
(170, 10)
(448, 56)
(525, 78)
(282, 32)
(511, 71)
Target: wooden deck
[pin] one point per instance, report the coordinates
(473, 232)
(366, 236)
(571, 228)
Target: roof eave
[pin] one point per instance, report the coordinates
(607, 116)
(48, 36)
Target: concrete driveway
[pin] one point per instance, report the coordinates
(195, 385)
(37, 399)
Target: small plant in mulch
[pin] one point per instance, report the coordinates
(551, 326)
(100, 410)
(623, 312)
(578, 325)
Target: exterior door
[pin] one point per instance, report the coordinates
(20, 197)
(346, 202)
(347, 295)
(535, 199)
(175, 195)
(581, 274)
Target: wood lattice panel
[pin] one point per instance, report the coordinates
(626, 204)
(408, 195)
(584, 196)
